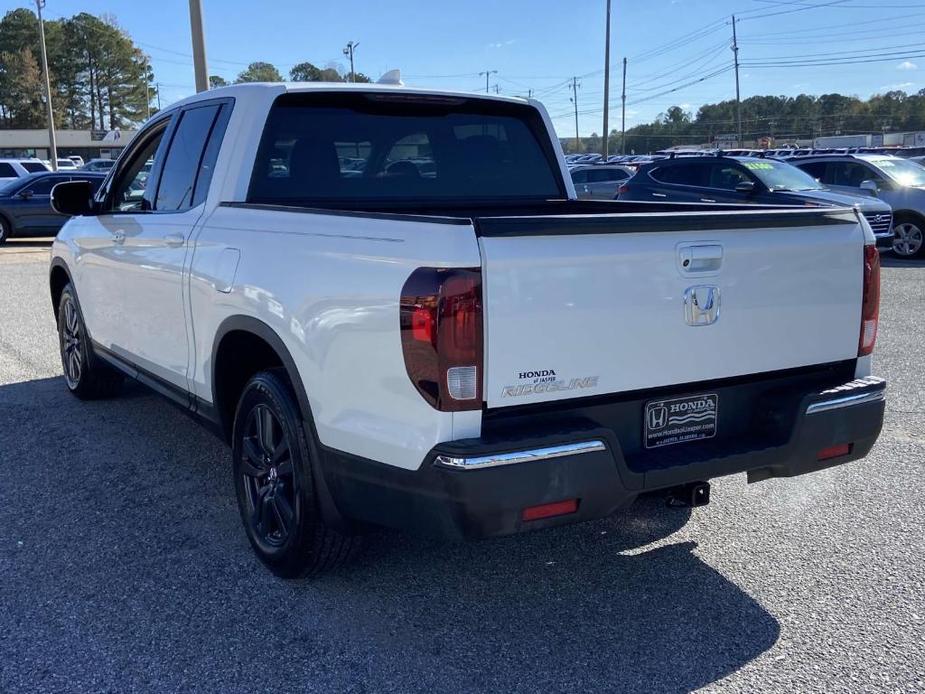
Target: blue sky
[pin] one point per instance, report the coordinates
(541, 44)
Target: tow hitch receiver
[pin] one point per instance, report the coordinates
(689, 495)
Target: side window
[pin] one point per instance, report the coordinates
(187, 146)
(580, 176)
(684, 175)
(726, 176)
(44, 185)
(130, 182)
(207, 167)
(816, 169)
(850, 174)
(605, 175)
(7, 170)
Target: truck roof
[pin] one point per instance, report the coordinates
(254, 90)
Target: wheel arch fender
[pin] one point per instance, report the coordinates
(263, 331)
(912, 215)
(257, 328)
(59, 276)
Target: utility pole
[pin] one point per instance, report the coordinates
(623, 115)
(497, 89)
(157, 92)
(348, 51)
(735, 53)
(199, 46)
(52, 144)
(147, 92)
(574, 100)
(607, 85)
(487, 73)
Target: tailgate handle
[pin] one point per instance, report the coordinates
(706, 258)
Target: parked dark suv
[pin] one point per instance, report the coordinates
(25, 203)
(747, 180)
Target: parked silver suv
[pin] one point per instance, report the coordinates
(899, 182)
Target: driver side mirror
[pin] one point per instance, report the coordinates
(870, 187)
(747, 187)
(25, 194)
(74, 198)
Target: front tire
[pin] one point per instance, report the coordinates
(85, 375)
(5, 231)
(271, 460)
(908, 238)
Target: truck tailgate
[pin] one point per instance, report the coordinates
(588, 305)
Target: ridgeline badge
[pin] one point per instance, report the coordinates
(546, 381)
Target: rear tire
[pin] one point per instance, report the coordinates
(908, 238)
(85, 376)
(277, 497)
(5, 230)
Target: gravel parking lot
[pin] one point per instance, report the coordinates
(123, 566)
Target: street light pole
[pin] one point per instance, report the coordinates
(199, 46)
(607, 85)
(348, 51)
(52, 144)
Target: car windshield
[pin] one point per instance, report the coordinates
(903, 171)
(777, 175)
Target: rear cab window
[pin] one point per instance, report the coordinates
(328, 148)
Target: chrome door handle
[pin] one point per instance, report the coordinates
(174, 240)
(118, 237)
(707, 200)
(659, 195)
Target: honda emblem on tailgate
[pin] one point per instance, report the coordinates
(701, 304)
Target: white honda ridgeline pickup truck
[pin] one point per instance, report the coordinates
(392, 305)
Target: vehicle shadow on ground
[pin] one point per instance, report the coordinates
(889, 260)
(120, 545)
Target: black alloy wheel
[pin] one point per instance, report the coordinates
(272, 452)
(269, 479)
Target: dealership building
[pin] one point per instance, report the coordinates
(89, 144)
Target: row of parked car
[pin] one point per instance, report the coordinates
(11, 169)
(888, 190)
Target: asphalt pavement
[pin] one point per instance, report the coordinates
(123, 566)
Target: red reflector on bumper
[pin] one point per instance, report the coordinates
(834, 451)
(558, 508)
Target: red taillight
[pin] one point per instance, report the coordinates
(441, 336)
(870, 302)
(836, 451)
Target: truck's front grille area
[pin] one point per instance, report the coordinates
(880, 222)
